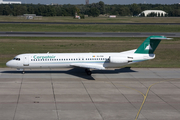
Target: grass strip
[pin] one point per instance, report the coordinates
(87, 28)
(100, 19)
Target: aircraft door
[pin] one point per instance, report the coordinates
(26, 61)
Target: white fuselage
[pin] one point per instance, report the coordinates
(63, 60)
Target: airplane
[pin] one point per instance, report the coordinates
(99, 61)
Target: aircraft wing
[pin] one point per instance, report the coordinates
(88, 66)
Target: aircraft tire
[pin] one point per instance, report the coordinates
(89, 72)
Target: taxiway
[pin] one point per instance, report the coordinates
(69, 94)
(88, 34)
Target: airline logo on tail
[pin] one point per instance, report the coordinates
(148, 47)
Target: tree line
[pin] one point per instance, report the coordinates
(94, 9)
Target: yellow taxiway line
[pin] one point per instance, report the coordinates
(145, 96)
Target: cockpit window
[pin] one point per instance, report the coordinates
(16, 59)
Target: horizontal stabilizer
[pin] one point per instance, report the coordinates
(156, 38)
(88, 66)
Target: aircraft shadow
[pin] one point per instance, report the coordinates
(78, 72)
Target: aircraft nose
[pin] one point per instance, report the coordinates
(9, 64)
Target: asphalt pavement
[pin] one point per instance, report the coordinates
(69, 94)
(88, 34)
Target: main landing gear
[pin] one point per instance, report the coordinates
(88, 72)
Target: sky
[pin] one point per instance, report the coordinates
(95, 1)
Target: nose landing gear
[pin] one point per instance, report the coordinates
(19, 69)
(88, 72)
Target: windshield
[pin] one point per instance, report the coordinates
(16, 59)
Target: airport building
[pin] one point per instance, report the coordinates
(9, 2)
(157, 12)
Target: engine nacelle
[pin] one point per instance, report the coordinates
(118, 59)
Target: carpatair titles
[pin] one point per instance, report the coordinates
(44, 57)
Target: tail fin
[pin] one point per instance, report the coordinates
(150, 45)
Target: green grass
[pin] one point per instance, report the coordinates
(88, 28)
(74, 38)
(167, 55)
(102, 19)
